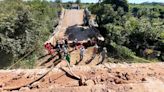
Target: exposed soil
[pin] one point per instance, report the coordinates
(103, 78)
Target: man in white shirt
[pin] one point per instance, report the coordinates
(82, 50)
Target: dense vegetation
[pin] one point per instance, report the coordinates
(24, 27)
(131, 29)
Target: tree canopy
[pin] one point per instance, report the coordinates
(24, 26)
(78, 1)
(135, 27)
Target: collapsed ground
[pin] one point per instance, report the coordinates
(70, 27)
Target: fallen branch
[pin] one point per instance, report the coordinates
(71, 72)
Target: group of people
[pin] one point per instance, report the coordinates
(61, 48)
(97, 50)
(101, 51)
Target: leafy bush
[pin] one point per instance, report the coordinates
(118, 3)
(24, 27)
(122, 52)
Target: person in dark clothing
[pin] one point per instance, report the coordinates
(95, 51)
(58, 50)
(66, 42)
(75, 44)
(58, 46)
(103, 55)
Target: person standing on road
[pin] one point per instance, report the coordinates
(59, 53)
(103, 55)
(82, 50)
(66, 43)
(68, 58)
(58, 46)
(65, 51)
(95, 51)
(58, 49)
(75, 44)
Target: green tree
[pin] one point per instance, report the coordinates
(78, 1)
(138, 29)
(25, 26)
(17, 35)
(58, 1)
(118, 3)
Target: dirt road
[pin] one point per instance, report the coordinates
(71, 18)
(70, 27)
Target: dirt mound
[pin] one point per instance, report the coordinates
(102, 78)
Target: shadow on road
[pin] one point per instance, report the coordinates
(89, 61)
(43, 56)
